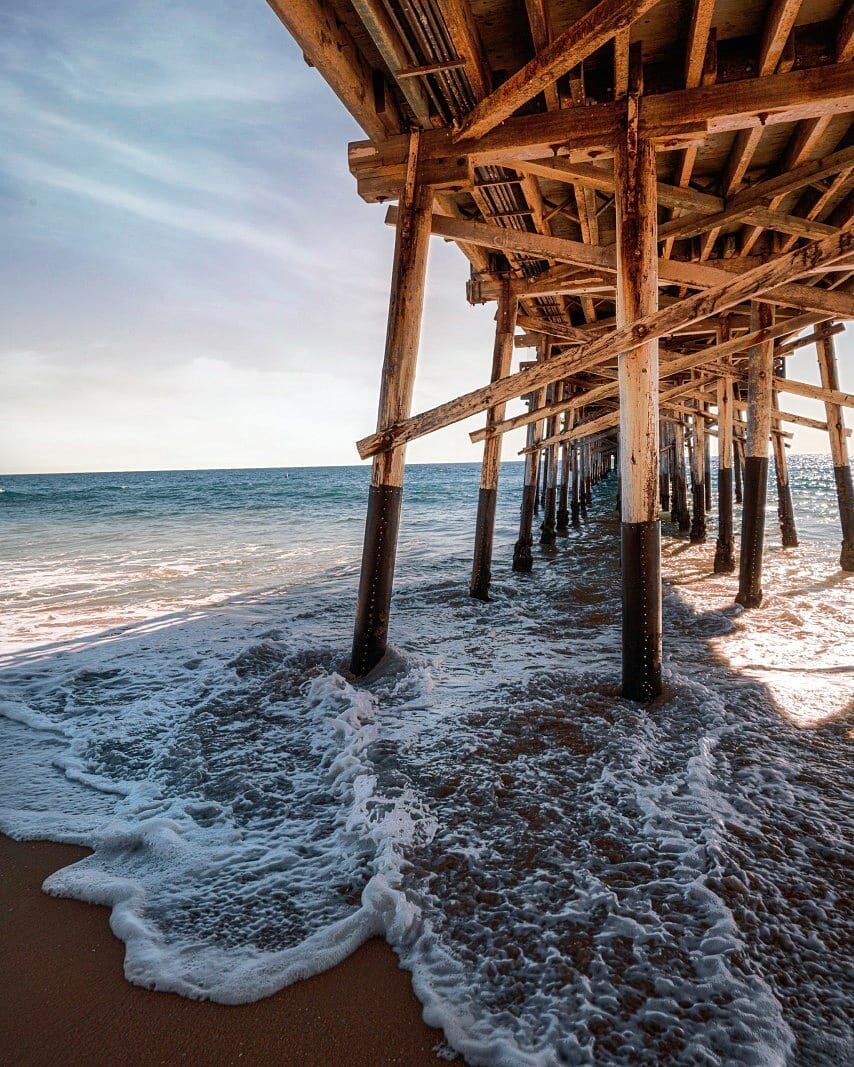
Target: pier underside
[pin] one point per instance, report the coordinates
(658, 197)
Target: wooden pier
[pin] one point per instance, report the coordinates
(657, 195)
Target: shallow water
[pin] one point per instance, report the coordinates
(570, 878)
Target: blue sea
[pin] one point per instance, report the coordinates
(569, 878)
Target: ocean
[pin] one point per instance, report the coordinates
(570, 878)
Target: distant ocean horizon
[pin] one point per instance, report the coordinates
(569, 877)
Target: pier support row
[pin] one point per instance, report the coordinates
(838, 446)
(637, 296)
(502, 355)
(370, 637)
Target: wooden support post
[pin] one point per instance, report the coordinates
(760, 375)
(724, 553)
(575, 505)
(664, 468)
(698, 479)
(538, 493)
(785, 511)
(412, 240)
(562, 519)
(523, 561)
(637, 297)
(707, 464)
(682, 516)
(738, 442)
(502, 355)
(547, 529)
(838, 447)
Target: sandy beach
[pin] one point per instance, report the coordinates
(65, 999)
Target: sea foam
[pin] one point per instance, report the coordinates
(570, 878)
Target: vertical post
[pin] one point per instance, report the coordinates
(736, 460)
(562, 522)
(680, 483)
(838, 448)
(502, 354)
(370, 636)
(698, 481)
(760, 373)
(523, 561)
(664, 469)
(547, 529)
(785, 511)
(724, 555)
(707, 463)
(575, 505)
(637, 296)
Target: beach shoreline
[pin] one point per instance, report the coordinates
(66, 999)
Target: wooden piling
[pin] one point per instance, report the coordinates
(502, 355)
(547, 529)
(523, 561)
(826, 351)
(698, 478)
(785, 511)
(637, 296)
(707, 464)
(562, 519)
(575, 504)
(370, 636)
(760, 376)
(682, 515)
(724, 547)
(736, 467)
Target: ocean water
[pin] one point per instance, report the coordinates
(569, 878)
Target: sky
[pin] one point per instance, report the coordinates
(187, 276)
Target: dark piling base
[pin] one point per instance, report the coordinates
(664, 492)
(736, 473)
(845, 496)
(547, 530)
(481, 571)
(752, 532)
(523, 561)
(562, 522)
(698, 521)
(575, 511)
(786, 515)
(641, 567)
(370, 636)
(724, 547)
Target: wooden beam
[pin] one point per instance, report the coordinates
(668, 320)
(698, 36)
(333, 52)
(462, 32)
(603, 258)
(541, 35)
(385, 36)
(740, 205)
(667, 118)
(566, 51)
(558, 169)
(669, 364)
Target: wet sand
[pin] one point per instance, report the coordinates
(65, 1000)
